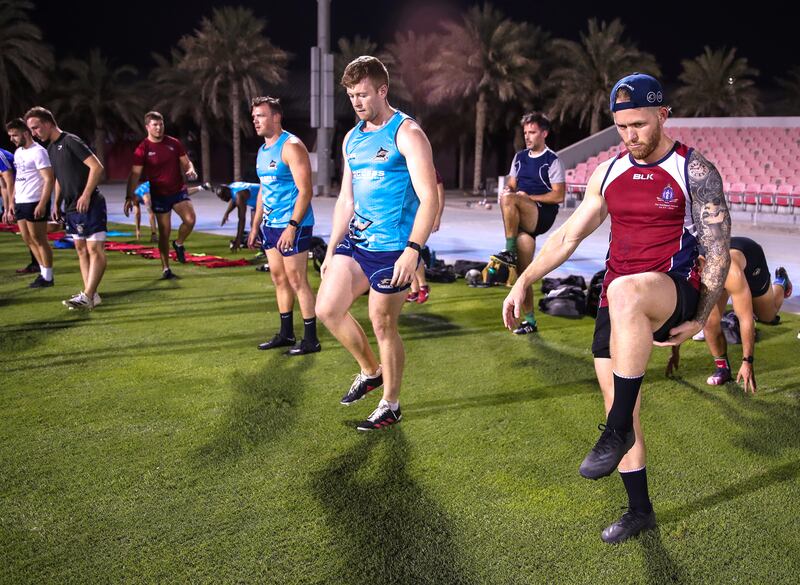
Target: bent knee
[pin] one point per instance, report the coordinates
(623, 294)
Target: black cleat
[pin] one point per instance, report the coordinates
(31, 268)
(180, 252)
(305, 346)
(525, 328)
(40, 282)
(782, 279)
(507, 257)
(630, 524)
(277, 341)
(168, 275)
(381, 417)
(607, 452)
(360, 387)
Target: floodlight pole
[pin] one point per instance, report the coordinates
(322, 95)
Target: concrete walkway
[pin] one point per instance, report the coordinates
(475, 233)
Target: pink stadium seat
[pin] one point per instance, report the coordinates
(767, 194)
(783, 197)
(736, 193)
(751, 193)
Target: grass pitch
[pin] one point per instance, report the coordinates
(148, 441)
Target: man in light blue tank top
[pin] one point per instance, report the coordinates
(239, 195)
(287, 221)
(384, 215)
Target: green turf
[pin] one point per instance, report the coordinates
(148, 441)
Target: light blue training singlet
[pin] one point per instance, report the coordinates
(280, 191)
(385, 201)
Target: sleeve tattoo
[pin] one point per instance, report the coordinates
(712, 220)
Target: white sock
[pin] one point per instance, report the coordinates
(377, 373)
(47, 273)
(392, 405)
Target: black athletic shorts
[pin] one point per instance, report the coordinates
(756, 271)
(685, 310)
(547, 216)
(25, 211)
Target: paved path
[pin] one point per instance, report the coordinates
(474, 234)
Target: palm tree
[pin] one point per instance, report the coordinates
(485, 57)
(180, 95)
(25, 60)
(590, 68)
(407, 57)
(232, 58)
(349, 49)
(103, 95)
(716, 83)
(791, 89)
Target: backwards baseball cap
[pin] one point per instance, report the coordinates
(645, 91)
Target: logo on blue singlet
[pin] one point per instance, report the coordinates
(667, 194)
(272, 165)
(382, 155)
(357, 226)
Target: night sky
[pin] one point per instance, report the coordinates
(672, 31)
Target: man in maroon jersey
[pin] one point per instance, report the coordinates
(665, 202)
(164, 161)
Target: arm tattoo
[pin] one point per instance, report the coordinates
(712, 220)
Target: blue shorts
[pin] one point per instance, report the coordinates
(165, 204)
(25, 211)
(378, 267)
(90, 225)
(302, 239)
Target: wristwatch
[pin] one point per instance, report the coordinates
(748, 359)
(414, 246)
(293, 223)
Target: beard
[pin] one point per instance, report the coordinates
(644, 149)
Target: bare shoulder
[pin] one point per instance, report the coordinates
(595, 182)
(410, 135)
(294, 148)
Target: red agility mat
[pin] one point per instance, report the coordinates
(226, 263)
(9, 227)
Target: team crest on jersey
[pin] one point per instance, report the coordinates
(272, 165)
(358, 224)
(381, 156)
(667, 199)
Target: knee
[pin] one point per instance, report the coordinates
(279, 278)
(295, 279)
(623, 295)
(508, 201)
(383, 326)
(190, 220)
(326, 312)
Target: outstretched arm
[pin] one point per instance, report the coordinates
(712, 220)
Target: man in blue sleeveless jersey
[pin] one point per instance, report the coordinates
(240, 196)
(287, 223)
(530, 202)
(389, 200)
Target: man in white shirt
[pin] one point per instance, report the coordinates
(30, 198)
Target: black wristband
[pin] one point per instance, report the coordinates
(293, 223)
(748, 359)
(414, 246)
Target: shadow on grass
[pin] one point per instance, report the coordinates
(262, 408)
(22, 337)
(387, 530)
(658, 564)
(547, 363)
(786, 472)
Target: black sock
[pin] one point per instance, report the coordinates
(287, 325)
(34, 261)
(636, 485)
(310, 329)
(626, 390)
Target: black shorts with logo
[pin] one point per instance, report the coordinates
(685, 310)
(756, 271)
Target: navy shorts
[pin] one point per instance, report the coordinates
(302, 239)
(685, 309)
(90, 225)
(378, 267)
(25, 211)
(547, 217)
(165, 204)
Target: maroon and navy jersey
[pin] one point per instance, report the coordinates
(651, 218)
(162, 167)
